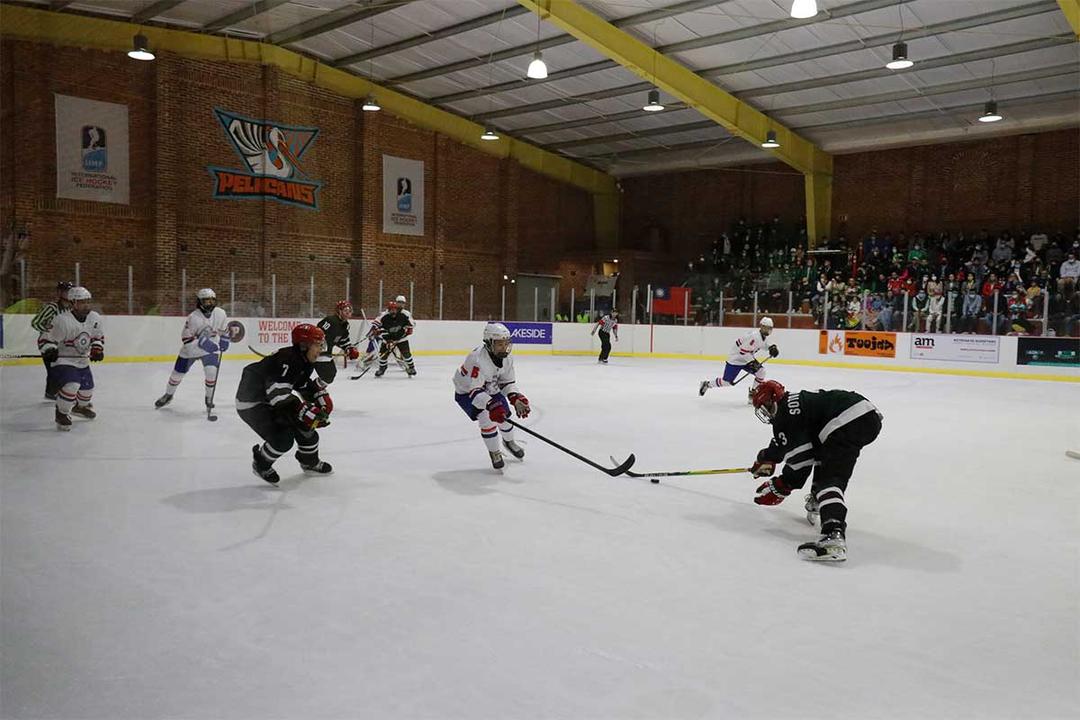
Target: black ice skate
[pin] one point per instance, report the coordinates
(63, 421)
(515, 449)
(381, 371)
(50, 396)
(750, 396)
(86, 411)
(830, 547)
(704, 387)
(163, 401)
(263, 467)
(813, 514)
(319, 467)
(496, 459)
(410, 371)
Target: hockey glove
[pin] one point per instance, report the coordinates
(773, 351)
(771, 492)
(498, 410)
(753, 366)
(353, 353)
(223, 343)
(323, 401)
(51, 354)
(762, 468)
(520, 403)
(97, 353)
(208, 346)
(312, 416)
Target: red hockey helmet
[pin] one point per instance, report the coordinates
(343, 305)
(307, 334)
(766, 397)
(392, 306)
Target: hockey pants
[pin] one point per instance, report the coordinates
(402, 347)
(279, 433)
(183, 364)
(489, 431)
(74, 386)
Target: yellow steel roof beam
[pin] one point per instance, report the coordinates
(697, 92)
(1071, 8)
(81, 31)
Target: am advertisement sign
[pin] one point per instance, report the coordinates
(959, 348)
(530, 333)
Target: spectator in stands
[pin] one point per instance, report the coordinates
(920, 309)
(1002, 252)
(892, 309)
(936, 308)
(1018, 312)
(973, 302)
(1069, 272)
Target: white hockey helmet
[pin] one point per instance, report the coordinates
(766, 325)
(497, 331)
(400, 300)
(78, 293)
(206, 294)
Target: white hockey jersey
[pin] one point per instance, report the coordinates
(73, 339)
(746, 347)
(199, 326)
(480, 378)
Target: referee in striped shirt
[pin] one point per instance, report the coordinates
(607, 325)
(43, 321)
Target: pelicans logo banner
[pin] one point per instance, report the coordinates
(272, 153)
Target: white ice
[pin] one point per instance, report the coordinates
(146, 573)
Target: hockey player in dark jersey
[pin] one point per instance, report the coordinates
(336, 329)
(283, 403)
(393, 327)
(820, 432)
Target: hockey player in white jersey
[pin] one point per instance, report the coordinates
(205, 337)
(742, 358)
(74, 339)
(485, 388)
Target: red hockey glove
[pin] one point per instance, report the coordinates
(353, 353)
(312, 416)
(520, 403)
(97, 353)
(771, 492)
(498, 410)
(762, 468)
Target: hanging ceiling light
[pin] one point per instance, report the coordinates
(537, 69)
(140, 49)
(653, 105)
(489, 134)
(370, 104)
(802, 9)
(770, 140)
(900, 59)
(990, 113)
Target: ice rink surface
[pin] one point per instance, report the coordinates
(146, 573)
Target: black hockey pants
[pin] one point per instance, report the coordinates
(280, 432)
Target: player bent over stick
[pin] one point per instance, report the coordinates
(741, 358)
(74, 340)
(205, 336)
(822, 432)
(485, 389)
(283, 403)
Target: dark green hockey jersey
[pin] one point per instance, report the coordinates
(805, 420)
(337, 333)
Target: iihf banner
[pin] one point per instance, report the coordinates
(91, 150)
(403, 195)
(530, 333)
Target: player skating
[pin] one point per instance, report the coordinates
(336, 329)
(283, 403)
(391, 330)
(205, 337)
(74, 339)
(43, 321)
(822, 432)
(485, 388)
(742, 358)
(607, 325)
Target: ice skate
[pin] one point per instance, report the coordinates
(86, 411)
(704, 387)
(262, 467)
(497, 461)
(515, 449)
(750, 396)
(63, 421)
(830, 547)
(381, 371)
(319, 467)
(163, 401)
(813, 514)
(209, 404)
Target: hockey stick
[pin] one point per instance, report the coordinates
(655, 476)
(1073, 454)
(613, 472)
(210, 401)
(748, 374)
(5, 356)
(257, 352)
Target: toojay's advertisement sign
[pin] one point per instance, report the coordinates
(530, 333)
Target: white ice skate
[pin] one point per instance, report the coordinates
(830, 547)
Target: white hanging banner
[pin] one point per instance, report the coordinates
(403, 195)
(91, 150)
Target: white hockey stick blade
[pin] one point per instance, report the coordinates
(1073, 454)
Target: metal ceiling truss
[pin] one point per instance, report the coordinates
(159, 8)
(884, 40)
(333, 20)
(245, 13)
(639, 19)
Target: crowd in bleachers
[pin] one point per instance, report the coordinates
(953, 281)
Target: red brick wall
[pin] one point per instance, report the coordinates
(1007, 182)
(484, 216)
